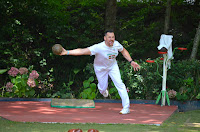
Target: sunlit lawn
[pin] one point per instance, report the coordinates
(180, 121)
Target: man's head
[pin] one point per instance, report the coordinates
(109, 38)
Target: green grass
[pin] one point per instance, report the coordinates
(180, 121)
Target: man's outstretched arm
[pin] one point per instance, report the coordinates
(126, 55)
(76, 52)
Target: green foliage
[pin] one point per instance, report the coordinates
(89, 89)
(30, 28)
(45, 86)
(65, 91)
(142, 84)
(184, 78)
(198, 96)
(3, 71)
(142, 23)
(188, 91)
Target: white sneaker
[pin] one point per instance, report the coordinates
(105, 94)
(124, 111)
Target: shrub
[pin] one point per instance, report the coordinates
(184, 78)
(22, 82)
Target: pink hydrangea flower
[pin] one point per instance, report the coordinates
(34, 74)
(23, 70)
(31, 82)
(9, 87)
(172, 93)
(13, 71)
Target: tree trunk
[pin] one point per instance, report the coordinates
(196, 43)
(111, 12)
(167, 17)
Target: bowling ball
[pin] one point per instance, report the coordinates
(75, 130)
(93, 130)
(57, 49)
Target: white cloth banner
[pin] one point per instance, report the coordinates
(166, 42)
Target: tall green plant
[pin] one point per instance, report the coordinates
(89, 89)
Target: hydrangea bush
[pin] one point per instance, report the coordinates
(172, 93)
(22, 82)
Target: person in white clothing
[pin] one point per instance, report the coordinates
(105, 65)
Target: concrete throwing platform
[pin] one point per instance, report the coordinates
(72, 103)
(103, 113)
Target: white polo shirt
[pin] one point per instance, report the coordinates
(105, 57)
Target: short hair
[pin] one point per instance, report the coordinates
(108, 31)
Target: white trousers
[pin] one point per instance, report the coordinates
(115, 76)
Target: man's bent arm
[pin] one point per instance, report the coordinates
(126, 55)
(76, 52)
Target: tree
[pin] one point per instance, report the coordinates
(167, 17)
(196, 43)
(110, 16)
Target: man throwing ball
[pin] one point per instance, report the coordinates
(105, 65)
